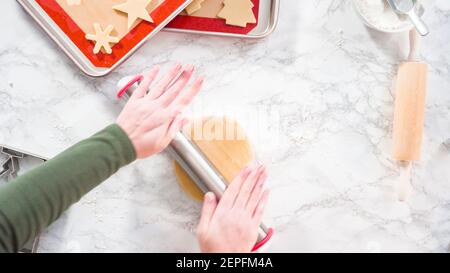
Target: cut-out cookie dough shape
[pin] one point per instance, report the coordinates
(225, 145)
(194, 6)
(135, 9)
(237, 12)
(73, 2)
(102, 38)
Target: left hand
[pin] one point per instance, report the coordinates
(151, 118)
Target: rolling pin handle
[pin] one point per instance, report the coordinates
(127, 86)
(261, 243)
(414, 46)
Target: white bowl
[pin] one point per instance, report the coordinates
(406, 26)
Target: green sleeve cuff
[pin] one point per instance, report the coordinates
(125, 146)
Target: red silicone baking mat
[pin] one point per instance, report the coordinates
(124, 46)
(212, 24)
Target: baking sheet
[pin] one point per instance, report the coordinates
(52, 17)
(267, 20)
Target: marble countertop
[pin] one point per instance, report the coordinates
(315, 98)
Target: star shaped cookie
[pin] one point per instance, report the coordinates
(135, 9)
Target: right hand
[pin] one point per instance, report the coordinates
(231, 224)
(152, 118)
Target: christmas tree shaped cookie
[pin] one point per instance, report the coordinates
(135, 9)
(237, 12)
(102, 38)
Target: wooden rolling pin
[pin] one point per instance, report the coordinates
(410, 93)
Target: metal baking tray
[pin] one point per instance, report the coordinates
(23, 161)
(267, 22)
(71, 50)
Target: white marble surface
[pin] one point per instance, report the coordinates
(321, 89)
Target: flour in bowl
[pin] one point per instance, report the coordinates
(380, 15)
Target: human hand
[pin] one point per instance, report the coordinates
(231, 225)
(152, 119)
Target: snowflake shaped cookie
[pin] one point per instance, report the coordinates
(102, 38)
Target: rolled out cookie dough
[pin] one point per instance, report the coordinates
(209, 9)
(101, 12)
(73, 2)
(224, 143)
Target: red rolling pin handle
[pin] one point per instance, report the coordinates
(124, 89)
(263, 241)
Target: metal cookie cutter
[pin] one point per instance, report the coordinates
(193, 161)
(10, 167)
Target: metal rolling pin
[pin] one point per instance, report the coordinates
(202, 172)
(193, 161)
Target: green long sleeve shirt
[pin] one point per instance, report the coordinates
(36, 199)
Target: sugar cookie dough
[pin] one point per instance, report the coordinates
(209, 9)
(194, 6)
(237, 12)
(135, 9)
(102, 38)
(101, 12)
(73, 2)
(224, 143)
